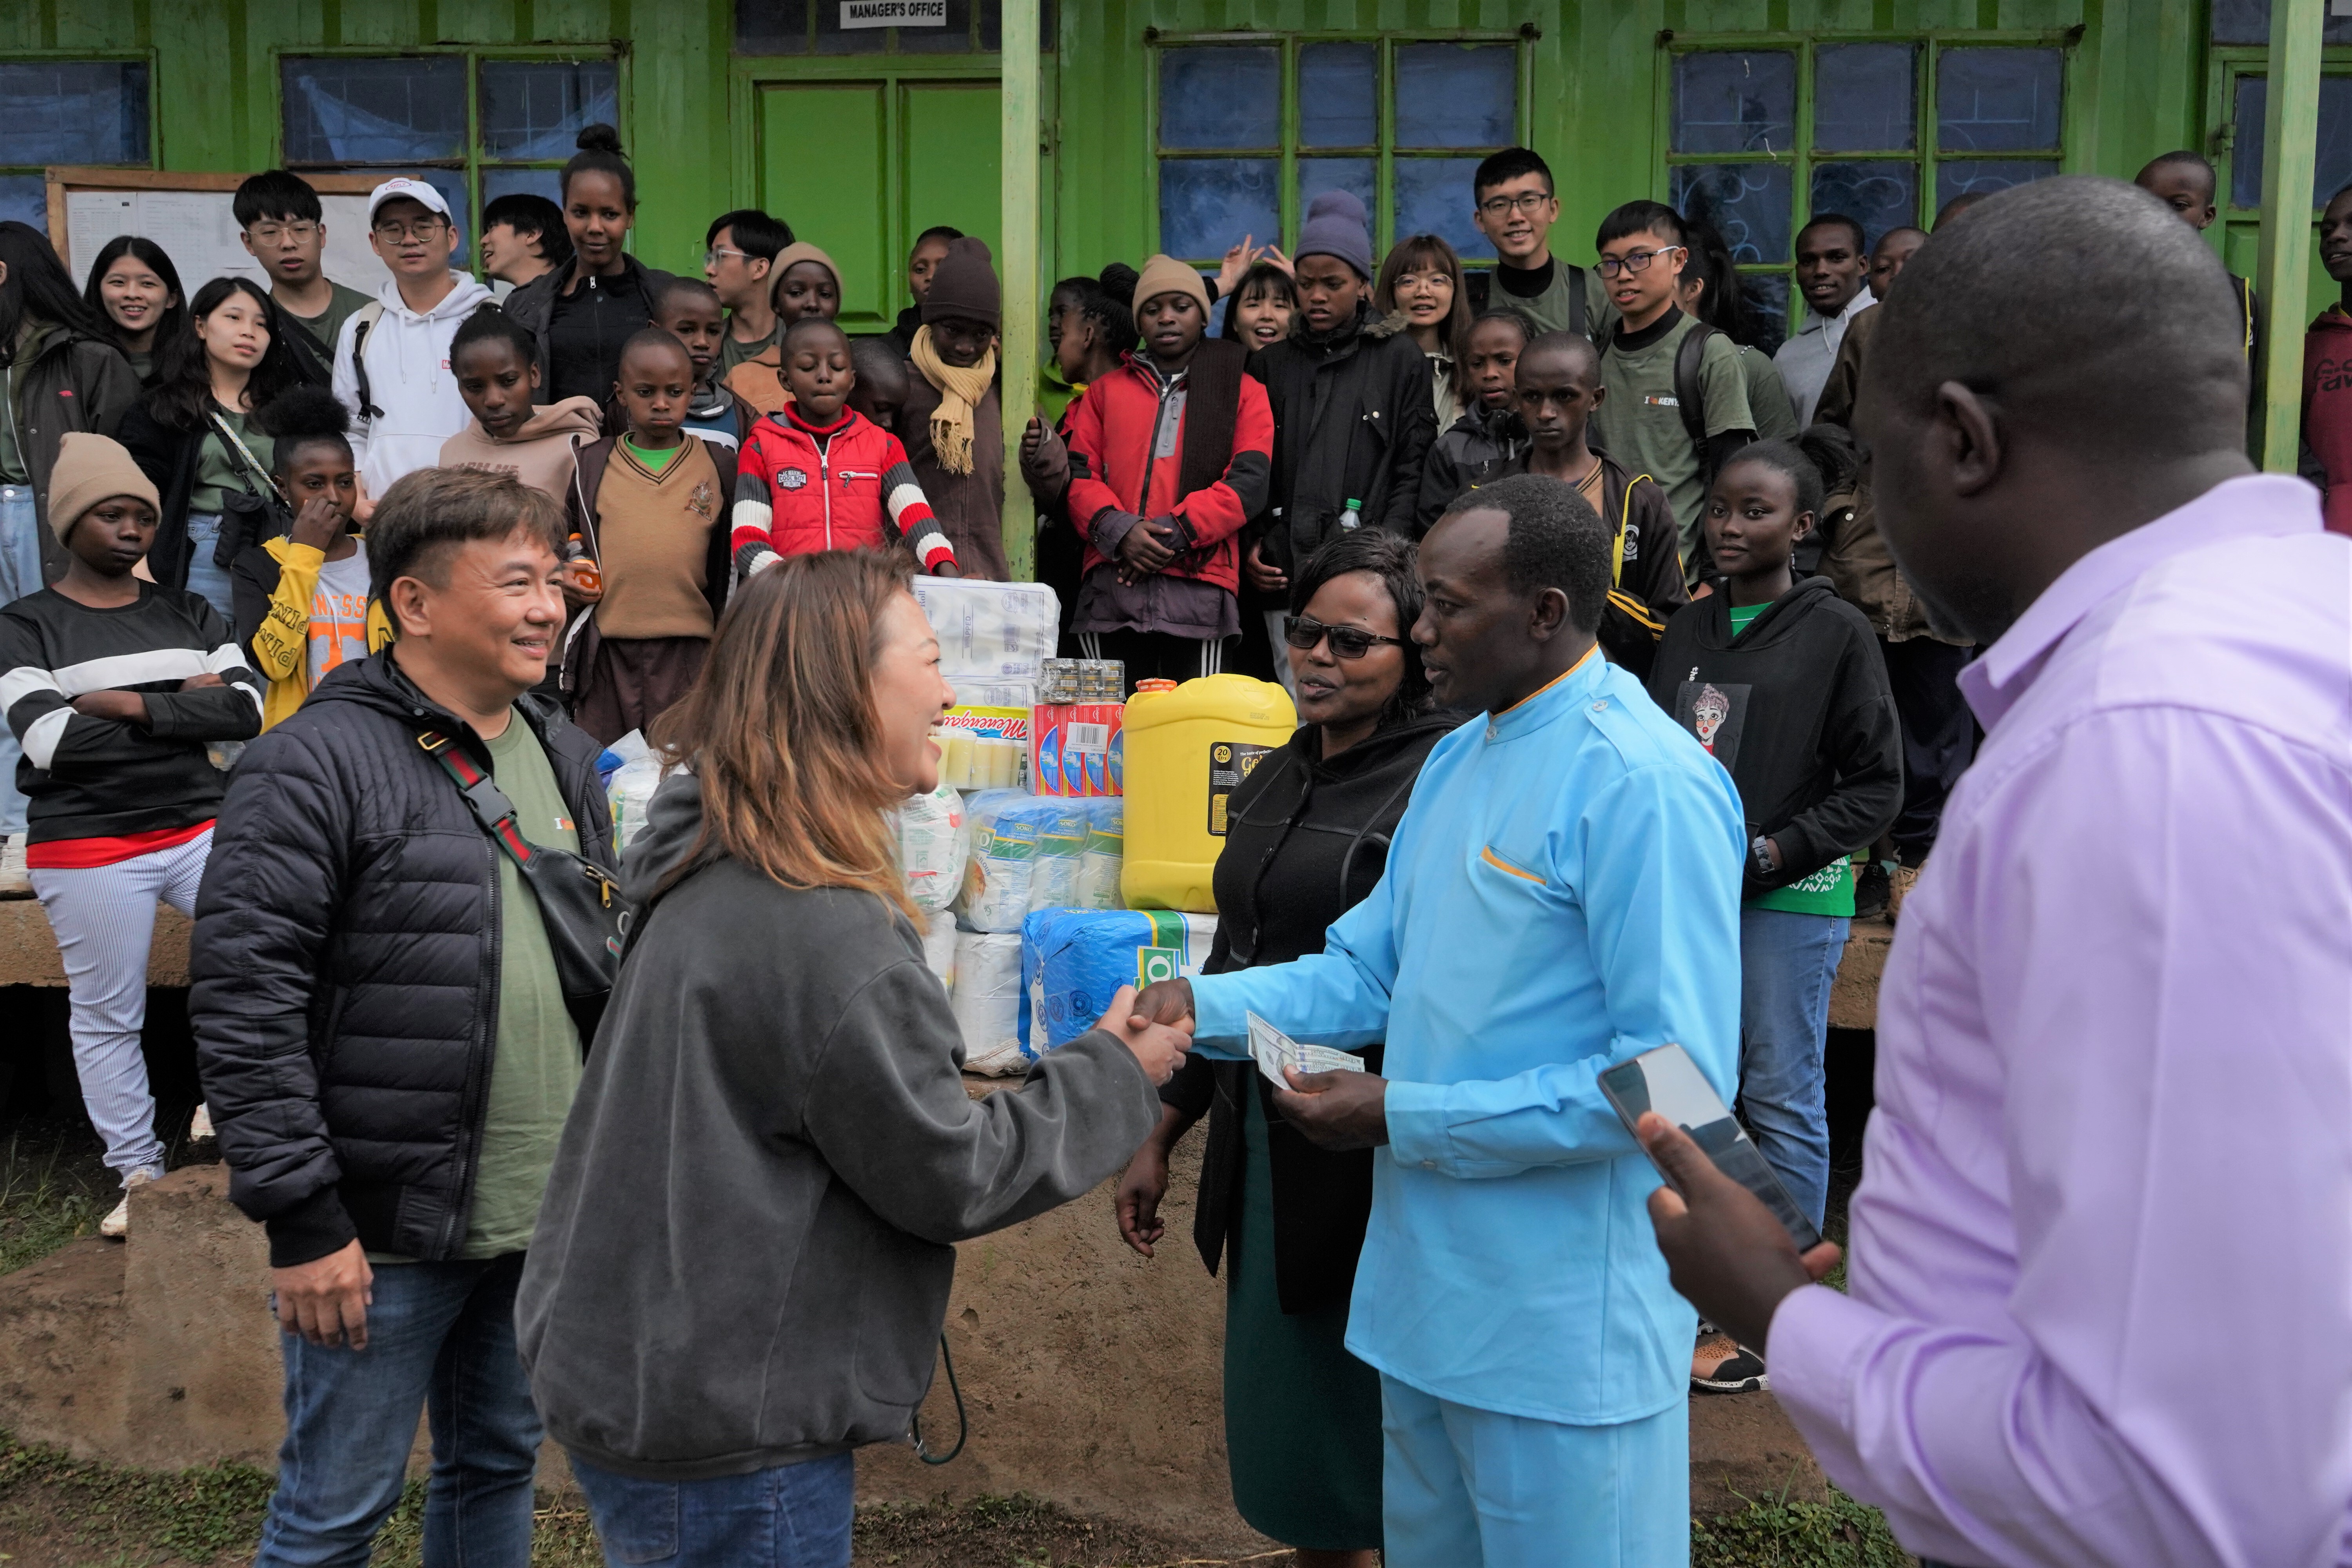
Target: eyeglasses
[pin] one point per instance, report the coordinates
(710, 257)
(422, 229)
(1347, 642)
(1527, 202)
(271, 233)
(1634, 261)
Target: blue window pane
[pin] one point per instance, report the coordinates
(1207, 204)
(400, 110)
(533, 109)
(2249, 22)
(1451, 95)
(1337, 105)
(771, 26)
(1982, 176)
(73, 112)
(1735, 100)
(24, 198)
(1997, 100)
(1432, 197)
(1219, 98)
(1877, 195)
(1865, 98)
(548, 183)
(2333, 171)
(1764, 296)
(1354, 176)
(955, 38)
(1747, 204)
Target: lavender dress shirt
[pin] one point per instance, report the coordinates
(2101, 1252)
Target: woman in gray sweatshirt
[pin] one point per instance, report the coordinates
(743, 1258)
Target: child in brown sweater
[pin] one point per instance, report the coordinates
(497, 366)
(654, 519)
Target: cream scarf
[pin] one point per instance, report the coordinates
(960, 390)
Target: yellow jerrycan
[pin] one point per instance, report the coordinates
(1186, 752)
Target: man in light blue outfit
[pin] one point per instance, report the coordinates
(1563, 894)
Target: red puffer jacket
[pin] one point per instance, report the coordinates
(801, 487)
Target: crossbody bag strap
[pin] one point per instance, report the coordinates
(491, 808)
(252, 466)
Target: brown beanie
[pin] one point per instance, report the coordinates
(964, 285)
(1166, 275)
(793, 255)
(90, 469)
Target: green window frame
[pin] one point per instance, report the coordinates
(23, 181)
(1936, 171)
(2231, 138)
(1385, 153)
(476, 168)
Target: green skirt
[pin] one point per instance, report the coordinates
(1302, 1415)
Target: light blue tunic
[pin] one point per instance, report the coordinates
(1563, 894)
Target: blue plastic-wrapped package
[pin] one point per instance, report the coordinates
(1073, 961)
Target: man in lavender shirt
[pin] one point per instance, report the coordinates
(2102, 1275)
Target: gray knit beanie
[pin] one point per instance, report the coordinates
(1336, 226)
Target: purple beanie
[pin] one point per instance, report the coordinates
(1336, 226)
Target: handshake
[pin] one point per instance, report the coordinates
(1155, 1022)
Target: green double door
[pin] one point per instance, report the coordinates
(860, 168)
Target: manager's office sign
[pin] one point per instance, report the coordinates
(894, 13)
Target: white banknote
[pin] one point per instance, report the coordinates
(1275, 1050)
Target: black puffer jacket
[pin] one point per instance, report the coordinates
(1353, 419)
(344, 969)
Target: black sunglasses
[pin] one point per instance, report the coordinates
(1347, 642)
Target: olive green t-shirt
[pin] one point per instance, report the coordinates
(220, 471)
(328, 324)
(733, 353)
(1767, 397)
(535, 1067)
(1641, 424)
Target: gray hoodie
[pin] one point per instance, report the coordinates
(744, 1254)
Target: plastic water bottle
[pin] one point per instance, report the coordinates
(1350, 518)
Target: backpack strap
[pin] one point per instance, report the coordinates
(1576, 318)
(1688, 393)
(366, 316)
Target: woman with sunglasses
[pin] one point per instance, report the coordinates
(1308, 838)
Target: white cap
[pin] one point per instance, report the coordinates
(401, 185)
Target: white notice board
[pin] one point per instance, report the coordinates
(191, 216)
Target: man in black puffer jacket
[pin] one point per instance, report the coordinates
(383, 1033)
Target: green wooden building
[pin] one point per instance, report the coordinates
(1180, 124)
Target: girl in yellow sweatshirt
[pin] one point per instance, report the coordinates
(302, 598)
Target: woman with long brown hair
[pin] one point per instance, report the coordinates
(1422, 278)
(744, 1254)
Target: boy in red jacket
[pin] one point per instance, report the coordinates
(816, 475)
(1178, 449)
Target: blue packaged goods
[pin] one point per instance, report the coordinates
(1072, 962)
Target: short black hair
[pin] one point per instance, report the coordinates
(1554, 540)
(1851, 225)
(1574, 344)
(2145, 291)
(1820, 462)
(878, 357)
(1960, 205)
(1108, 301)
(1898, 229)
(808, 324)
(1497, 316)
(303, 416)
(1510, 163)
(278, 194)
(491, 324)
(653, 338)
(938, 231)
(528, 213)
(756, 233)
(427, 514)
(599, 153)
(2184, 159)
(1390, 557)
(677, 285)
(1642, 217)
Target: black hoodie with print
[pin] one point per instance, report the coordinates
(1798, 707)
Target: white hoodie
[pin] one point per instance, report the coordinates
(408, 378)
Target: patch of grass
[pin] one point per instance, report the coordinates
(1780, 1533)
(195, 1516)
(53, 1189)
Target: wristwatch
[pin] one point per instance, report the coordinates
(1759, 856)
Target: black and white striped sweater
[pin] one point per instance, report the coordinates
(99, 778)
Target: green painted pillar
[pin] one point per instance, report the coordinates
(2290, 156)
(1018, 265)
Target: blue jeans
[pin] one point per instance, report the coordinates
(1786, 964)
(205, 580)
(793, 1516)
(441, 1336)
(20, 573)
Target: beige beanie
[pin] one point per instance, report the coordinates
(1166, 275)
(90, 469)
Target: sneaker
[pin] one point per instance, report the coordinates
(1874, 891)
(200, 1125)
(1899, 888)
(1720, 1366)
(15, 881)
(116, 1227)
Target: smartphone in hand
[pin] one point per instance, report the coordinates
(1667, 1081)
